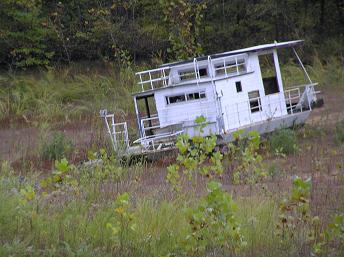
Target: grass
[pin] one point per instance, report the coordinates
(52, 96)
(70, 218)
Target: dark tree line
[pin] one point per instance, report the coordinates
(43, 32)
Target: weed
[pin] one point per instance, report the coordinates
(213, 224)
(244, 154)
(284, 141)
(339, 133)
(196, 157)
(56, 148)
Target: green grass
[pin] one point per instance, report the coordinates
(52, 96)
(71, 220)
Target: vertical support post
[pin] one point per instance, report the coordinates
(164, 77)
(302, 66)
(236, 65)
(148, 114)
(141, 82)
(150, 78)
(278, 70)
(249, 110)
(137, 117)
(237, 108)
(224, 66)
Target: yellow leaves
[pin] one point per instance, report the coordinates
(120, 210)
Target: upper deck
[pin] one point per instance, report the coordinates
(203, 69)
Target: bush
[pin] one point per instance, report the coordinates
(56, 148)
(284, 141)
(339, 133)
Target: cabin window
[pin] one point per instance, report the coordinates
(255, 103)
(238, 86)
(185, 97)
(231, 67)
(187, 75)
(176, 99)
(203, 72)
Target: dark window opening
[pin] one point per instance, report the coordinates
(255, 103)
(270, 85)
(268, 70)
(238, 86)
(203, 72)
(176, 99)
(187, 75)
(185, 97)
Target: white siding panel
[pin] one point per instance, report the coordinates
(185, 112)
(235, 105)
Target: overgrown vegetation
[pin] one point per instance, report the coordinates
(339, 133)
(284, 141)
(100, 208)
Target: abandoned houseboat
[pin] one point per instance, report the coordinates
(241, 89)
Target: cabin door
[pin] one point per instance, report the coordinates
(146, 114)
(273, 101)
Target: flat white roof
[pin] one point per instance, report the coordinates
(239, 51)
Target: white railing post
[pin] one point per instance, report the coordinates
(224, 66)
(150, 78)
(237, 108)
(236, 64)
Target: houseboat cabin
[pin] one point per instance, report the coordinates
(241, 89)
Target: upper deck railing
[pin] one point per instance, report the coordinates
(153, 78)
(221, 67)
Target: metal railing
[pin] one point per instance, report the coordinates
(149, 124)
(263, 108)
(156, 78)
(118, 131)
(223, 66)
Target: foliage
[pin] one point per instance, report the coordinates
(183, 20)
(123, 221)
(56, 148)
(335, 230)
(296, 223)
(24, 34)
(339, 133)
(39, 33)
(284, 141)
(196, 156)
(243, 153)
(213, 224)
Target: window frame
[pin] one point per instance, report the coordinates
(255, 102)
(201, 95)
(238, 83)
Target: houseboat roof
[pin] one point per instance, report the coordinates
(164, 67)
(239, 51)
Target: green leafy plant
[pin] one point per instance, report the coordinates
(123, 221)
(56, 148)
(283, 142)
(339, 133)
(296, 223)
(213, 224)
(60, 177)
(247, 162)
(196, 156)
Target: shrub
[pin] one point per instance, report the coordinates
(339, 133)
(56, 147)
(284, 141)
